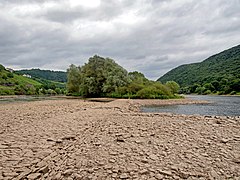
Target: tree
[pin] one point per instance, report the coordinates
(173, 86)
(97, 77)
(74, 78)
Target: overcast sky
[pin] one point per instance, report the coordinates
(151, 36)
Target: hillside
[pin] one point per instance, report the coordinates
(218, 73)
(11, 83)
(57, 76)
(16, 84)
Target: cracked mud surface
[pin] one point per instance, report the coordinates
(76, 139)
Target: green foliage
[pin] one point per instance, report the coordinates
(103, 77)
(2, 68)
(219, 74)
(173, 86)
(58, 76)
(96, 78)
(11, 83)
(74, 78)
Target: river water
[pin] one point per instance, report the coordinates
(219, 106)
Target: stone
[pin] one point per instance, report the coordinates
(10, 174)
(124, 176)
(159, 176)
(168, 173)
(236, 160)
(57, 176)
(68, 172)
(144, 160)
(59, 141)
(112, 160)
(44, 170)
(114, 175)
(120, 139)
(153, 157)
(224, 140)
(34, 176)
(214, 174)
(144, 171)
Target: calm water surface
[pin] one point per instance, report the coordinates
(220, 106)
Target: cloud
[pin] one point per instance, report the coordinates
(148, 36)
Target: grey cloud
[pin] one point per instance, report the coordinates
(148, 36)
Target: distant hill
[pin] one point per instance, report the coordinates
(11, 83)
(221, 70)
(58, 76)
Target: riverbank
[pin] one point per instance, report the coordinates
(79, 139)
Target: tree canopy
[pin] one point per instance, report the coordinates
(103, 77)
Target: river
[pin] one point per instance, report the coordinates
(219, 106)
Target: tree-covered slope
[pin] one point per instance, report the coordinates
(222, 68)
(11, 83)
(58, 76)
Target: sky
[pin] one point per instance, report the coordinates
(150, 36)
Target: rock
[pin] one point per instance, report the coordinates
(41, 164)
(120, 139)
(139, 141)
(34, 176)
(113, 153)
(237, 160)
(10, 174)
(114, 175)
(59, 141)
(214, 174)
(144, 171)
(3, 146)
(124, 176)
(168, 173)
(144, 160)
(44, 170)
(107, 167)
(97, 143)
(224, 140)
(112, 160)
(153, 157)
(50, 139)
(57, 176)
(159, 176)
(68, 172)
(109, 172)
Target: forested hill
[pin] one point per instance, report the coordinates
(220, 71)
(58, 76)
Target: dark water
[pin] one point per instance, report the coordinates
(23, 98)
(219, 106)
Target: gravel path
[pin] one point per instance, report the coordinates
(76, 139)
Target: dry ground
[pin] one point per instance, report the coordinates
(76, 139)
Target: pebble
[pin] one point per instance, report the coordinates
(68, 172)
(168, 173)
(34, 176)
(144, 171)
(124, 176)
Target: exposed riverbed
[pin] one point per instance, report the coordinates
(79, 139)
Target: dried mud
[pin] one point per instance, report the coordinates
(77, 139)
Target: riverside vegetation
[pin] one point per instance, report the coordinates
(100, 77)
(103, 77)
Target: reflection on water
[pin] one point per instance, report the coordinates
(220, 105)
(27, 98)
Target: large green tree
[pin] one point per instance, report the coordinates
(97, 77)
